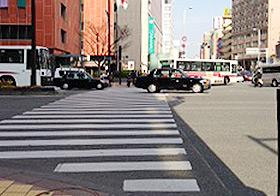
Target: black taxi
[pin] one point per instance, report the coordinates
(171, 79)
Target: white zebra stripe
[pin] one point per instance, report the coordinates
(91, 153)
(124, 166)
(93, 142)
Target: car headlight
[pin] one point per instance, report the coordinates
(203, 81)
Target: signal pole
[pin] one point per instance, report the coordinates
(33, 44)
(109, 35)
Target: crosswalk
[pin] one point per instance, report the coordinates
(113, 131)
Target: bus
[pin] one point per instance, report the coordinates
(15, 64)
(218, 71)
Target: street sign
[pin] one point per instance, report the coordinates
(256, 51)
(252, 51)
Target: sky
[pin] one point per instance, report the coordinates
(198, 20)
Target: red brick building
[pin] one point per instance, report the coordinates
(57, 24)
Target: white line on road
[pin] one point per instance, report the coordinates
(105, 106)
(60, 121)
(124, 166)
(102, 109)
(91, 153)
(86, 133)
(82, 142)
(93, 116)
(88, 126)
(161, 185)
(97, 112)
(102, 101)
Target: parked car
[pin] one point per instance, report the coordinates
(168, 78)
(247, 75)
(76, 78)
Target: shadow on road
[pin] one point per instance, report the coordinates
(198, 150)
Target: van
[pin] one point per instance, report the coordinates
(271, 74)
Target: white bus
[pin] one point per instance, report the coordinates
(15, 64)
(218, 71)
(271, 74)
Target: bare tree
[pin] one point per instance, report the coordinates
(96, 41)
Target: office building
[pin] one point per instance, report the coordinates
(56, 28)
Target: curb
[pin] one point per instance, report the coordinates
(48, 90)
(13, 182)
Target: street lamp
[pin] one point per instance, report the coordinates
(184, 37)
(259, 43)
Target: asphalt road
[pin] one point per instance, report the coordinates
(235, 128)
(230, 140)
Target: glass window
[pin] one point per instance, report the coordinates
(177, 74)
(62, 10)
(11, 56)
(161, 74)
(21, 3)
(63, 36)
(3, 3)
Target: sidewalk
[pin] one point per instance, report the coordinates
(16, 183)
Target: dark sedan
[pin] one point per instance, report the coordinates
(160, 79)
(76, 79)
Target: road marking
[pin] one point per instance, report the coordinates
(91, 153)
(93, 116)
(88, 126)
(103, 109)
(40, 121)
(97, 112)
(104, 106)
(93, 142)
(124, 166)
(161, 185)
(110, 102)
(86, 133)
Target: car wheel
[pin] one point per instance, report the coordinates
(274, 83)
(65, 86)
(99, 86)
(152, 88)
(226, 80)
(197, 88)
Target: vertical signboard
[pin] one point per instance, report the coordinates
(151, 42)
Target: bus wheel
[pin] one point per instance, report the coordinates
(274, 83)
(8, 80)
(226, 80)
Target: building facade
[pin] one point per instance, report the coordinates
(144, 43)
(205, 50)
(250, 23)
(97, 17)
(274, 30)
(56, 28)
(226, 50)
(167, 27)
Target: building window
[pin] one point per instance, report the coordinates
(21, 3)
(63, 35)
(11, 56)
(3, 3)
(21, 32)
(62, 10)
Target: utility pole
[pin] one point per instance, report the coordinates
(117, 47)
(109, 35)
(33, 44)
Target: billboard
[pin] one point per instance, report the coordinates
(151, 36)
